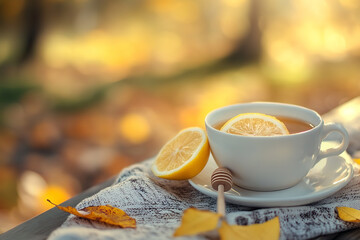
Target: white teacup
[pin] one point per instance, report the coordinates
(274, 162)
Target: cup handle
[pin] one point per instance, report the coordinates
(334, 127)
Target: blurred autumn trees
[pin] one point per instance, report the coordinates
(89, 87)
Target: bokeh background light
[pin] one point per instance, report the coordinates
(88, 87)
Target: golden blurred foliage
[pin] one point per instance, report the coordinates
(89, 86)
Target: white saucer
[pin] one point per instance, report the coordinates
(327, 177)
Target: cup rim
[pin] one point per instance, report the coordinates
(317, 126)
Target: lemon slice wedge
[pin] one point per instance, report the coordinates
(184, 156)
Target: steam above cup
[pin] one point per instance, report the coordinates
(273, 162)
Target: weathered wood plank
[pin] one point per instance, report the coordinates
(42, 225)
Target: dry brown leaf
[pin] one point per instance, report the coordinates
(348, 214)
(268, 230)
(195, 221)
(106, 214)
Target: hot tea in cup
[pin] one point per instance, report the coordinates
(267, 163)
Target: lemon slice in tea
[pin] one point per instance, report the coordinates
(255, 124)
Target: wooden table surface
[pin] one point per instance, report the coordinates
(42, 225)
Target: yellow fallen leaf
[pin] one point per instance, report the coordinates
(195, 221)
(356, 160)
(268, 230)
(348, 214)
(106, 214)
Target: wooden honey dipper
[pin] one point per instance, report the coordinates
(221, 181)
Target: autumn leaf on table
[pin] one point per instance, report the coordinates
(106, 214)
(357, 160)
(348, 214)
(195, 221)
(268, 230)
